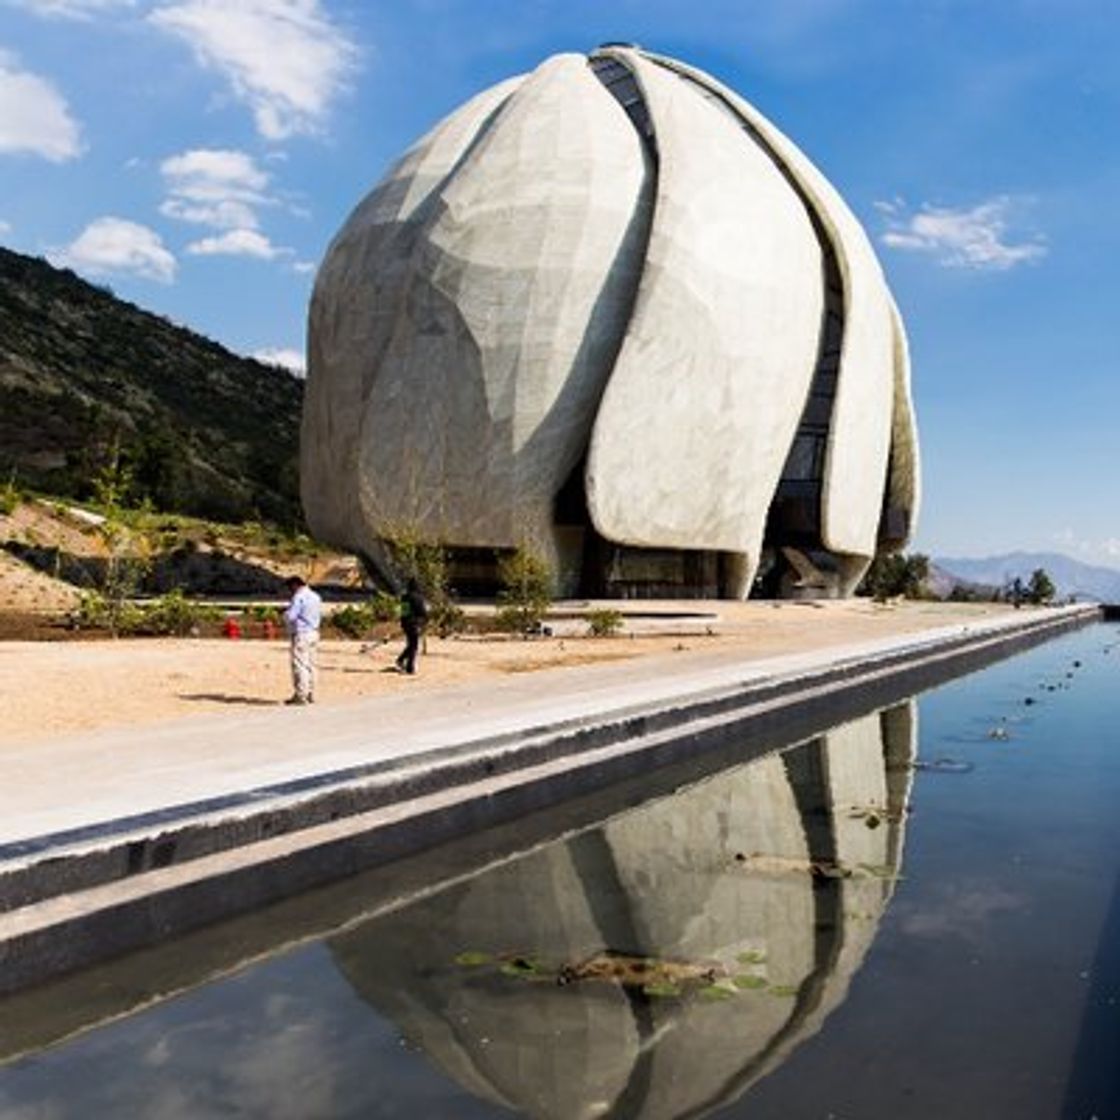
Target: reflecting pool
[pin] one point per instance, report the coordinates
(913, 913)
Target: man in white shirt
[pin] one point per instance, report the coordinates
(302, 618)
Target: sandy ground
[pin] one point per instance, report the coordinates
(51, 688)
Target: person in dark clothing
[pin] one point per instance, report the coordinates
(414, 616)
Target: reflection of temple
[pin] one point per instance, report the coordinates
(776, 871)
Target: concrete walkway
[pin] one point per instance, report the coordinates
(79, 781)
(114, 840)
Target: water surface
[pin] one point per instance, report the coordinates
(912, 914)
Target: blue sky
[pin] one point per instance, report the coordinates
(198, 156)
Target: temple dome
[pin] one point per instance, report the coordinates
(607, 311)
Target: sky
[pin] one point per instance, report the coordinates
(197, 156)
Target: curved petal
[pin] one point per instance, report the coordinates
(355, 307)
(859, 436)
(516, 299)
(903, 476)
(708, 388)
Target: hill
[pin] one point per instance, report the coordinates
(84, 375)
(1071, 577)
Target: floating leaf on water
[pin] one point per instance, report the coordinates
(744, 980)
(521, 966)
(472, 958)
(661, 991)
(716, 992)
(751, 956)
(878, 870)
(783, 990)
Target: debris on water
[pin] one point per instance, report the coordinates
(653, 975)
(522, 966)
(751, 956)
(747, 981)
(471, 958)
(1000, 733)
(1030, 700)
(783, 990)
(944, 766)
(875, 815)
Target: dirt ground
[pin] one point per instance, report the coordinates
(53, 688)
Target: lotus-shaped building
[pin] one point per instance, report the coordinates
(607, 311)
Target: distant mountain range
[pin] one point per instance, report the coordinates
(1071, 577)
(201, 430)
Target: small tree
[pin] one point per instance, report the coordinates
(526, 591)
(894, 574)
(1041, 587)
(413, 557)
(126, 558)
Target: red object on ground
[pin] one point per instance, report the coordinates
(231, 628)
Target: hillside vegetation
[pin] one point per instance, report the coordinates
(86, 377)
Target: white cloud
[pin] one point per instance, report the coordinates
(283, 58)
(34, 116)
(5, 227)
(304, 267)
(214, 187)
(975, 238)
(113, 245)
(1105, 551)
(238, 243)
(285, 357)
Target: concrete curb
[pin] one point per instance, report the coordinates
(72, 899)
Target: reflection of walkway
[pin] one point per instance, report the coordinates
(773, 875)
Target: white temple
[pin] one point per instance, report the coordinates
(606, 310)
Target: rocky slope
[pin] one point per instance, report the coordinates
(84, 375)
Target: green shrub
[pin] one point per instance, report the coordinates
(526, 592)
(98, 611)
(604, 622)
(447, 618)
(354, 620)
(10, 496)
(385, 607)
(174, 614)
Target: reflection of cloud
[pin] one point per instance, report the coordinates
(34, 116)
(110, 246)
(973, 238)
(961, 909)
(290, 83)
(35, 1111)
